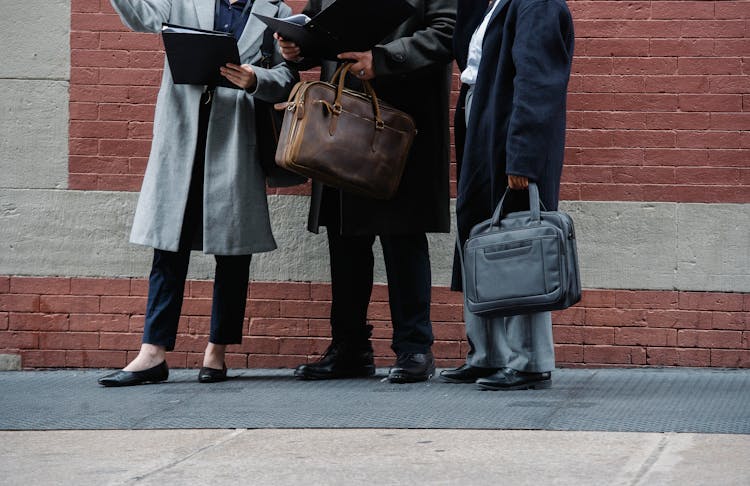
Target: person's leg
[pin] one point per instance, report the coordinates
(350, 353)
(167, 278)
(352, 263)
(483, 339)
(487, 347)
(166, 288)
(165, 291)
(479, 363)
(510, 352)
(523, 349)
(166, 285)
(228, 308)
(407, 263)
(523, 342)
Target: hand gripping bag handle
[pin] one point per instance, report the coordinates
(341, 73)
(534, 205)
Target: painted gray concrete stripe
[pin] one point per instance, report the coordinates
(34, 76)
(34, 133)
(35, 46)
(622, 245)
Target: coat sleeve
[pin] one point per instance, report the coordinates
(312, 8)
(143, 15)
(542, 58)
(430, 45)
(274, 84)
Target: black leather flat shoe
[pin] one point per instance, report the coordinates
(510, 379)
(466, 374)
(212, 375)
(156, 374)
(412, 368)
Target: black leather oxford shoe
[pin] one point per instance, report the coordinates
(510, 379)
(412, 368)
(156, 374)
(212, 375)
(466, 374)
(339, 361)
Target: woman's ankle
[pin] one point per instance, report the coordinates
(214, 356)
(149, 356)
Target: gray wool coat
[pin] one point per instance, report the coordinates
(235, 208)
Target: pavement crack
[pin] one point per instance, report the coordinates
(216, 443)
(650, 461)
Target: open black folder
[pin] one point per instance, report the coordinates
(343, 26)
(195, 55)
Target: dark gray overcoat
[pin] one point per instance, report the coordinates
(413, 73)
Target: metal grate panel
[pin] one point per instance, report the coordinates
(632, 400)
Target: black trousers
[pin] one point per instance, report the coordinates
(407, 263)
(166, 285)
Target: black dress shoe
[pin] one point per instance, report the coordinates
(466, 374)
(212, 375)
(156, 374)
(412, 368)
(339, 361)
(510, 379)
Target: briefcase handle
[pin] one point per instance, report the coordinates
(339, 78)
(534, 205)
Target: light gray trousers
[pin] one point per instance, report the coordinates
(522, 342)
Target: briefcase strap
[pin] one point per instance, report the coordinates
(339, 78)
(534, 205)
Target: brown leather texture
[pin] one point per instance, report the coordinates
(359, 144)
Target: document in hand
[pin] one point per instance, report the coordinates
(343, 26)
(195, 55)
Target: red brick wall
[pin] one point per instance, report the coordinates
(659, 103)
(74, 322)
(659, 110)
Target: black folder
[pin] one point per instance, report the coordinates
(343, 26)
(195, 55)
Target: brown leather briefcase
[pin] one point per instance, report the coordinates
(344, 138)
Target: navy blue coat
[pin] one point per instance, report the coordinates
(469, 15)
(517, 120)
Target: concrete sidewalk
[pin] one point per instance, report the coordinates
(607, 426)
(372, 457)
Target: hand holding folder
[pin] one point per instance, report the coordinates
(195, 56)
(343, 26)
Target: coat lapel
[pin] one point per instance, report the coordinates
(254, 28)
(498, 9)
(205, 10)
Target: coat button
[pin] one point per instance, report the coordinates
(399, 57)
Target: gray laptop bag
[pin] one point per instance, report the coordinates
(522, 262)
